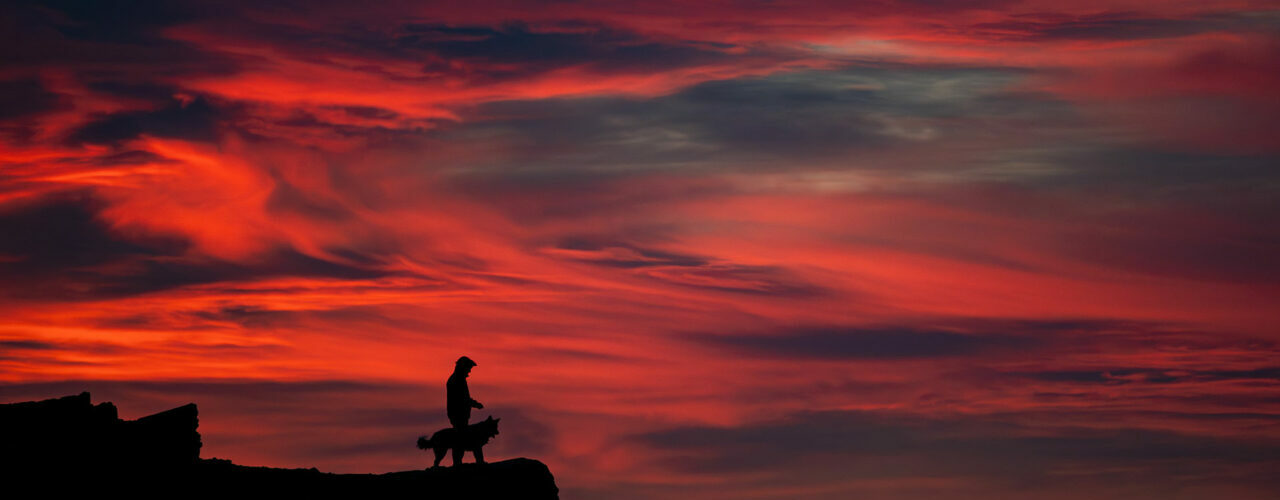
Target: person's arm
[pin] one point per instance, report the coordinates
(476, 404)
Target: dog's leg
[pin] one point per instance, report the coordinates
(457, 456)
(439, 456)
(479, 453)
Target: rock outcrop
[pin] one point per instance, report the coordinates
(71, 432)
(69, 446)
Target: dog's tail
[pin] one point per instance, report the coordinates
(424, 443)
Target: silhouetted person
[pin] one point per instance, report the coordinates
(460, 402)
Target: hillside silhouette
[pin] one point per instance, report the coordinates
(69, 445)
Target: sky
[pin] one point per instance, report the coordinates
(724, 249)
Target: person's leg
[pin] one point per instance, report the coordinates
(460, 435)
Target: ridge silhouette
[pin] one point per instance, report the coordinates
(64, 446)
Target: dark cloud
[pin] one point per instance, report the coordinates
(486, 53)
(991, 338)
(149, 91)
(1039, 27)
(26, 97)
(1105, 26)
(22, 103)
(369, 112)
(534, 191)
(772, 281)
(836, 343)
(285, 197)
(134, 21)
(123, 41)
(159, 274)
(250, 316)
(632, 256)
(511, 50)
(26, 345)
(1120, 376)
(131, 157)
(247, 316)
(58, 247)
(197, 119)
(64, 232)
(604, 49)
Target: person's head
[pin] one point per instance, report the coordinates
(463, 365)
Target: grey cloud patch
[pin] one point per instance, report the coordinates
(560, 158)
(774, 117)
(800, 120)
(964, 124)
(1179, 174)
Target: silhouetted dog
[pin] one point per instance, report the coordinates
(460, 441)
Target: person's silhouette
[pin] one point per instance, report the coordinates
(460, 402)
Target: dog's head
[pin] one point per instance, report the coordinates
(488, 428)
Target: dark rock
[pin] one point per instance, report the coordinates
(72, 432)
(69, 446)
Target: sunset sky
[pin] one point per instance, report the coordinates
(919, 249)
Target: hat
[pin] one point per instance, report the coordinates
(465, 361)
